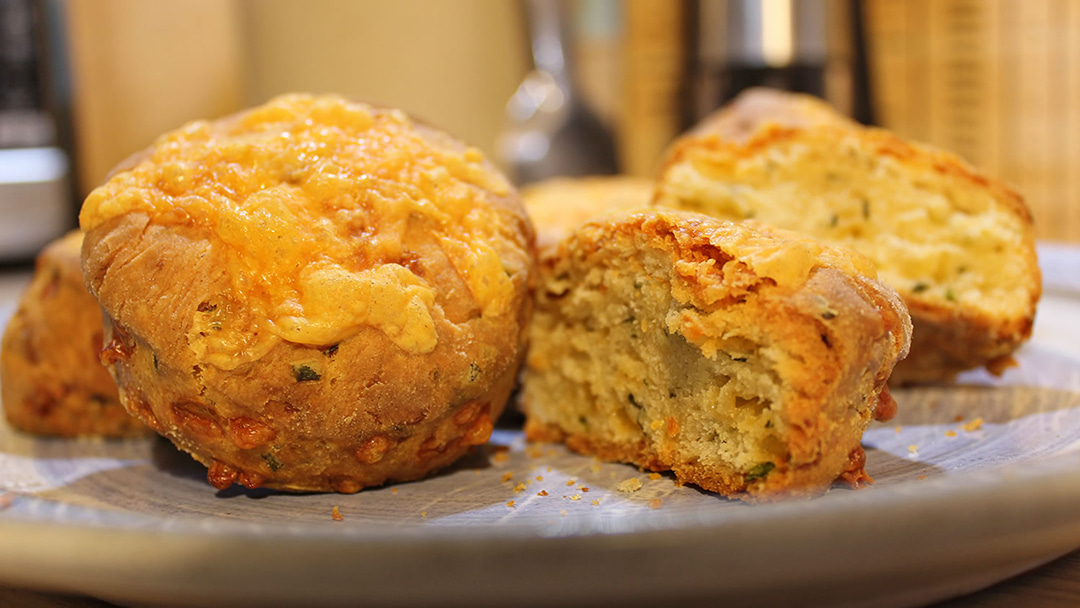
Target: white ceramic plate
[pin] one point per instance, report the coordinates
(957, 506)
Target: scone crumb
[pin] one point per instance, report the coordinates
(519, 487)
(912, 449)
(596, 502)
(594, 467)
(672, 427)
(583, 488)
(393, 490)
(898, 428)
(922, 477)
(950, 433)
(629, 485)
(507, 476)
(335, 514)
(562, 513)
(655, 476)
(542, 493)
(510, 504)
(549, 469)
(423, 513)
(576, 497)
(974, 425)
(655, 503)
(571, 482)
(539, 478)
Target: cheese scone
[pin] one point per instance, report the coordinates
(957, 245)
(50, 377)
(741, 117)
(557, 206)
(312, 295)
(747, 360)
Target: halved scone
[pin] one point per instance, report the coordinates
(957, 245)
(747, 360)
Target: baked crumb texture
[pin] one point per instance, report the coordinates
(312, 295)
(52, 381)
(747, 360)
(957, 245)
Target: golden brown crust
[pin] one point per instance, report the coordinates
(950, 336)
(557, 206)
(743, 116)
(52, 380)
(827, 337)
(340, 416)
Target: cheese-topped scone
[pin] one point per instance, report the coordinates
(51, 379)
(312, 295)
(957, 245)
(557, 206)
(747, 360)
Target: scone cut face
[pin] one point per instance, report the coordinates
(311, 276)
(51, 379)
(748, 361)
(957, 246)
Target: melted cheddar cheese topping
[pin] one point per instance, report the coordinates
(311, 197)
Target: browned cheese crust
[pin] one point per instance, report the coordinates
(363, 324)
(51, 379)
(957, 245)
(747, 360)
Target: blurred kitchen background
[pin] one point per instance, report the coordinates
(542, 86)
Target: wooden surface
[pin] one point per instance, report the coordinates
(1055, 584)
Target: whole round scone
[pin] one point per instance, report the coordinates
(50, 377)
(312, 295)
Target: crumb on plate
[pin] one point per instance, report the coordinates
(974, 425)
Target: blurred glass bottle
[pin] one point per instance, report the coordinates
(808, 46)
(550, 130)
(35, 197)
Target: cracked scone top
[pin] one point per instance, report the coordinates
(333, 273)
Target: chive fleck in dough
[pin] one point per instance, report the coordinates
(957, 245)
(50, 376)
(312, 295)
(747, 360)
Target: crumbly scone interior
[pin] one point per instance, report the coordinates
(931, 234)
(599, 367)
